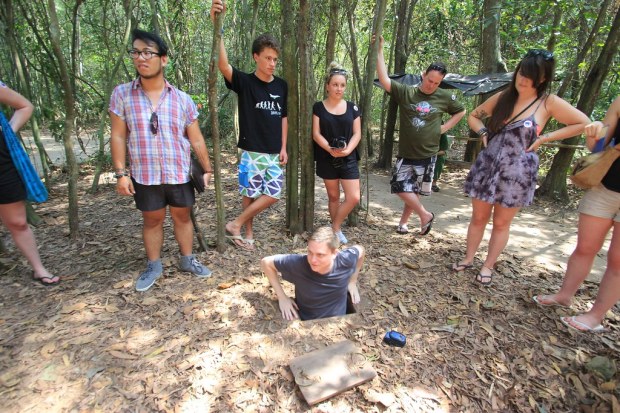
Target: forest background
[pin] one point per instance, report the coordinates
(94, 344)
(67, 56)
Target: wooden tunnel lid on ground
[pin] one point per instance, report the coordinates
(329, 371)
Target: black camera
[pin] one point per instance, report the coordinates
(339, 142)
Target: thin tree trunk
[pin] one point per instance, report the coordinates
(103, 114)
(69, 104)
(290, 74)
(491, 61)
(306, 99)
(215, 135)
(371, 67)
(554, 185)
(401, 54)
(582, 51)
(332, 31)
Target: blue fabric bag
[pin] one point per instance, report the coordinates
(35, 190)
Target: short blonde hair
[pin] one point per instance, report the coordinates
(325, 234)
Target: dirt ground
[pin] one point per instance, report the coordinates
(94, 344)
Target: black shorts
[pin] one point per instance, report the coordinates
(12, 190)
(347, 170)
(154, 197)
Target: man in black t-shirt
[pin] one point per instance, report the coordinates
(262, 132)
(322, 278)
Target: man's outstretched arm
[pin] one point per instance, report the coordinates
(288, 307)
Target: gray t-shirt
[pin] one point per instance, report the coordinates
(318, 295)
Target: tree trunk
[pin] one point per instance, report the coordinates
(554, 185)
(582, 51)
(491, 61)
(306, 99)
(109, 85)
(215, 135)
(290, 74)
(332, 31)
(25, 85)
(401, 50)
(69, 104)
(371, 67)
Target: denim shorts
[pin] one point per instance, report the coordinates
(602, 203)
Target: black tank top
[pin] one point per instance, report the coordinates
(611, 181)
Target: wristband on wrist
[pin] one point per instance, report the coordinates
(483, 131)
(119, 175)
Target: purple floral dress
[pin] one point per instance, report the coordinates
(504, 173)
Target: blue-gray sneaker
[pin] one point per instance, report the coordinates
(341, 237)
(189, 263)
(149, 276)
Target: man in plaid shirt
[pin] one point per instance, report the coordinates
(156, 125)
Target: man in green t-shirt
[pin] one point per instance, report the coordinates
(421, 109)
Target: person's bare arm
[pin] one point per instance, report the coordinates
(450, 123)
(118, 147)
(283, 154)
(288, 307)
(22, 106)
(219, 6)
(200, 149)
(566, 114)
(353, 290)
(594, 130)
(476, 117)
(382, 72)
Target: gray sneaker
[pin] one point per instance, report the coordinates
(191, 264)
(341, 237)
(149, 276)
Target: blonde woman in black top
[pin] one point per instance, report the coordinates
(336, 130)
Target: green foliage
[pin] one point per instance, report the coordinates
(440, 30)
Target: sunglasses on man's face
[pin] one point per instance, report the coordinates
(441, 69)
(154, 123)
(546, 55)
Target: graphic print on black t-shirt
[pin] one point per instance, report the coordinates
(262, 105)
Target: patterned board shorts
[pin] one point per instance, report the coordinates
(408, 175)
(260, 174)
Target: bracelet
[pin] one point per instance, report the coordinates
(209, 172)
(483, 131)
(118, 175)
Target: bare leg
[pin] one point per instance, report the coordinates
(332, 186)
(253, 208)
(502, 218)
(609, 290)
(481, 213)
(153, 232)
(13, 216)
(590, 239)
(413, 204)
(351, 189)
(183, 229)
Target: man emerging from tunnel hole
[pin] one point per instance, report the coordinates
(322, 277)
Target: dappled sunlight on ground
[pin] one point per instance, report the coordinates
(220, 344)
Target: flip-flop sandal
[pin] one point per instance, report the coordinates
(47, 284)
(402, 229)
(458, 267)
(573, 323)
(426, 228)
(548, 302)
(480, 278)
(249, 244)
(234, 238)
